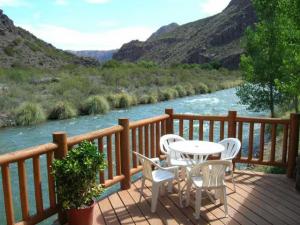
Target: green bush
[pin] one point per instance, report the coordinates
(148, 99)
(94, 105)
(167, 94)
(189, 89)
(181, 90)
(125, 100)
(29, 113)
(62, 110)
(113, 100)
(75, 176)
(201, 88)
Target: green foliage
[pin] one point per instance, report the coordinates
(180, 90)
(28, 114)
(76, 84)
(125, 100)
(189, 89)
(111, 64)
(201, 88)
(263, 60)
(62, 110)
(94, 105)
(75, 175)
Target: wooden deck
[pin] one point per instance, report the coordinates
(259, 199)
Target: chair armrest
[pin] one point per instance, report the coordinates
(156, 160)
(171, 168)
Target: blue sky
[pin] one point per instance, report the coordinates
(103, 24)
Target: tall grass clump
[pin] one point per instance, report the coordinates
(167, 94)
(62, 110)
(113, 100)
(181, 90)
(148, 99)
(125, 100)
(201, 88)
(94, 105)
(29, 113)
(189, 89)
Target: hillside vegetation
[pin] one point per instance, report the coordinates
(67, 92)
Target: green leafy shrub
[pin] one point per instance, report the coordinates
(28, 114)
(201, 88)
(111, 64)
(75, 176)
(94, 105)
(62, 110)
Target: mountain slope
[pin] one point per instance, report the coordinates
(19, 48)
(101, 56)
(213, 38)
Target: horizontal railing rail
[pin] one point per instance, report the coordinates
(118, 143)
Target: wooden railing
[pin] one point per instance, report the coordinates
(119, 141)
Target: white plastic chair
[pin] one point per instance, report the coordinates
(207, 176)
(158, 176)
(232, 148)
(173, 158)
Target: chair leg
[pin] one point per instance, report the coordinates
(179, 192)
(170, 186)
(142, 188)
(233, 182)
(225, 201)
(155, 193)
(188, 193)
(198, 203)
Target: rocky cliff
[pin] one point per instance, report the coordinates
(19, 48)
(214, 38)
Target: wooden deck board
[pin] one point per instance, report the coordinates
(259, 199)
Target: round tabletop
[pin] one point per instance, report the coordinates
(196, 147)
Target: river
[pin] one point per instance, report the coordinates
(16, 138)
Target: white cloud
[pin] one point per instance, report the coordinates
(97, 1)
(212, 7)
(70, 39)
(61, 2)
(12, 3)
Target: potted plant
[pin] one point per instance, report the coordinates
(75, 179)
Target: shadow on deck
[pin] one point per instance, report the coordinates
(259, 199)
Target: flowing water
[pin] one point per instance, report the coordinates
(17, 138)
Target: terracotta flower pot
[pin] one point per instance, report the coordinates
(81, 216)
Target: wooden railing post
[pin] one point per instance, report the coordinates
(169, 122)
(60, 138)
(125, 154)
(232, 123)
(293, 144)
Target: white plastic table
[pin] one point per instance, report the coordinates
(200, 150)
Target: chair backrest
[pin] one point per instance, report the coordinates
(147, 165)
(232, 148)
(212, 172)
(167, 139)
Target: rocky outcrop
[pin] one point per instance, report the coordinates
(164, 29)
(216, 38)
(19, 48)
